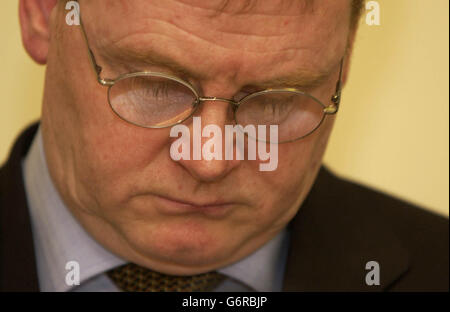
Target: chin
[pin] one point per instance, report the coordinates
(181, 250)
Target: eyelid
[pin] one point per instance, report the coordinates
(245, 91)
(253, 89)
(241, 94)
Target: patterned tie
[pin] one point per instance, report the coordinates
(133, 278)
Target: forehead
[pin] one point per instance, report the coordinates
(232, 38)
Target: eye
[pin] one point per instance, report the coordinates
(151, 100)
(149, 88)
(276, 110)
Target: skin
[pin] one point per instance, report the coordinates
(115, 177)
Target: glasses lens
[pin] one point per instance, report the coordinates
(296, 114)
(151, 101)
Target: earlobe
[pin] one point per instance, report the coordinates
(34, 22)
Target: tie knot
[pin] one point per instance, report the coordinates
(134, 278)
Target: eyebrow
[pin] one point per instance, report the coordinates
(299, 79)
(152, 58)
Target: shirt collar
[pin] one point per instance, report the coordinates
(263, 270)
(59, 238)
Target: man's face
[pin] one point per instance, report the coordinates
(119, 180)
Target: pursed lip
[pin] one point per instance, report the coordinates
(210, 207)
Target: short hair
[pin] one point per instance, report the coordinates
(357, 9)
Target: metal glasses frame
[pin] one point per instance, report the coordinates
(330, 109)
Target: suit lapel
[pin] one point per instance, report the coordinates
(17, 260)
(333, 237)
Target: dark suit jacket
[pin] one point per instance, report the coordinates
(340, 227)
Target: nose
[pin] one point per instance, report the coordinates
(207, 162)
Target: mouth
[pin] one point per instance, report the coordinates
(211, 208)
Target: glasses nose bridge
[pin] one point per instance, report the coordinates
(218, 99)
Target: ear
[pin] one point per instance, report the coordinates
(34, 22)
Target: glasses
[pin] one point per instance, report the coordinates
(158, 100)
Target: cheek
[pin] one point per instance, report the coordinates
(120, 148)
(294, 161)
(287, 186)
(103, 152)
(112, 156)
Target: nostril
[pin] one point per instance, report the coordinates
(207, 170)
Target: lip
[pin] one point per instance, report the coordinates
(214, 208)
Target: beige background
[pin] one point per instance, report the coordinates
(392, 131)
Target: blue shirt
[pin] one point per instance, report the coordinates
(59, 239)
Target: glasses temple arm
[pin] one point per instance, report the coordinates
(98, 69)
(339, 83)
(336, 98)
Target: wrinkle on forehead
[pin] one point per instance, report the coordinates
(280, 31)
(243, 46)
(236, 7)
(212, 8)
(268, 18)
